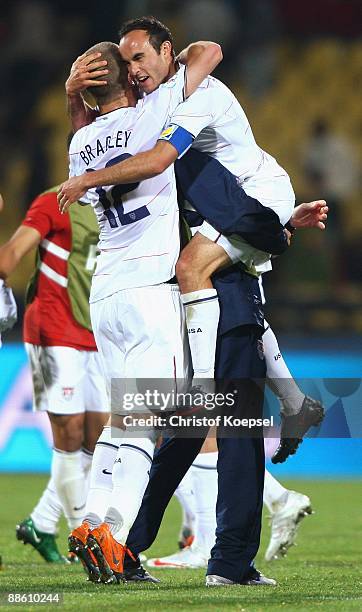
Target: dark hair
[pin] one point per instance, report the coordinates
(117, 77)
(156, 30)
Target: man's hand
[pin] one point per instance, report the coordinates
(71, 191)
(8, 309)
(310, 214)
(83, 73)
(1, 202)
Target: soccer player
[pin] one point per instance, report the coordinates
(65, 365)
(139, 246)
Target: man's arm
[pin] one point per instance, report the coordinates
(24, 239)
(11, 253)
(83, 74)
(134, 169)
(201, 58)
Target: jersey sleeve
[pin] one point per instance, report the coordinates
(43, 213)
(190, 118)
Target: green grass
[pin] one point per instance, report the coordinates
(322, 572)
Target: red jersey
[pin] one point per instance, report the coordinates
(49, 319)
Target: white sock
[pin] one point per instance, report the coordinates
(274, 493)
(100, 482)
(130, 478)
(87, 458)
(204, 474)
(279, 378)
(48, 510)
(68, 475)
(202, 319)
(186, 497)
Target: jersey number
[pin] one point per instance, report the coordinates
(113, 199)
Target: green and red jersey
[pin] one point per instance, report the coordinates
(57, 312)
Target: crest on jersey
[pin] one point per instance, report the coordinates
(167, 132)
(68, 393)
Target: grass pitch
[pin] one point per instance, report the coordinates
(322, 572)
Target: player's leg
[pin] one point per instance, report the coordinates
(299, 411)
(97, 407)
(203, 482)
(67, 465)
(40, 529)
(287, 508)
(186, 498)
(96, 459)
(207, 252)
(176, 452)
(55, 389)
(102, 366)
(154, 348)
(64, 370)
(240, 467)
(198, 261)
(279, 378)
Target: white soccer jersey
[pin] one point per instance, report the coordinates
(139, 226)
(213, 122)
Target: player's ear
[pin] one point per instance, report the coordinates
(166, 48)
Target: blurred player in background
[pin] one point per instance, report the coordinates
(65, 365)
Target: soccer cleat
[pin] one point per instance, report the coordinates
(295, 426)
(139, 574)
(78, 546)
(44, 543)
(284, 523)
(72, 557)
(214, 580)
(187, 558)
(254, 578)
(186, 537)
(108, 552)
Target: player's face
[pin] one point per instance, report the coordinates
(147, 68)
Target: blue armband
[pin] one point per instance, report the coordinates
(180, 138)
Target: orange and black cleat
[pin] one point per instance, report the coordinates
(108, 552)
(77, 545)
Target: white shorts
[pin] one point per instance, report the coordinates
(279, 196)
(235, 247)
(67, 381)
(141, 334)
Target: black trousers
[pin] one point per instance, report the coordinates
(240, 467)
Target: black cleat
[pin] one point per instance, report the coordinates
(107, 576)
(80, 550)
(295, 426)
(139, 574)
